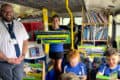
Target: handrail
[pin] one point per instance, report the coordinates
(71, 24)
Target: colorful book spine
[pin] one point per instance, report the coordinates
(85, 33)
(105, 34)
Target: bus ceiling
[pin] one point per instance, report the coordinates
(75, 5)
(56, 5)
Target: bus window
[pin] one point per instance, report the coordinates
(78, 20)
(118, 35)
(66, 21)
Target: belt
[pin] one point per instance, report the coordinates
(3, 62)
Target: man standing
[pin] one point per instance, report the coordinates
(13, 45)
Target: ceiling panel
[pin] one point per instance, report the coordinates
(114, 5)
(57, 5)
(75, 5)
(21, 10)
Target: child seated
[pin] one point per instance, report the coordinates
(111, 64)
(74, 65)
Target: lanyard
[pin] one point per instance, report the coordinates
(7, 27)
(13, 38)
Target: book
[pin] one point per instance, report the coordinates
(102, 77)
(91, 33)
(88, 33)
(88, 18)
(102, 17)
(28, 78)
(85, 33)
(32, 52)
(94, 17)
(105, 34)
(36, 51)
(99, 33)
(114, 75)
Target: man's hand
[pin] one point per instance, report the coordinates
(20, 59)
(13, 61)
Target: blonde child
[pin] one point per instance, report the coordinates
(75, 66)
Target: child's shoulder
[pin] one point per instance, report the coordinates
(81, 64)
(104, 65)
(118, 67)
(107, 66)
(67, 65)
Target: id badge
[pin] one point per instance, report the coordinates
(13, 41)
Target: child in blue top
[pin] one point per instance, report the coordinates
(75, 66)
(56, 51)
(111, 65)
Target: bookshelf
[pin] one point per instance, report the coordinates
(95, 27)
(94, 35)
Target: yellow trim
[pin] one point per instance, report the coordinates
(45, 20)
(53, 13)
(53, 36)
(56, 41)
(71, 25)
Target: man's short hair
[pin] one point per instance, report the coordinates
(4, 5)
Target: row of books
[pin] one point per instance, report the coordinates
(95, 17)
(90, 49)
(95, 33)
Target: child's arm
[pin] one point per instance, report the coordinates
(65, 67)
(101, 70)
(99, 73)
(84, 77)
